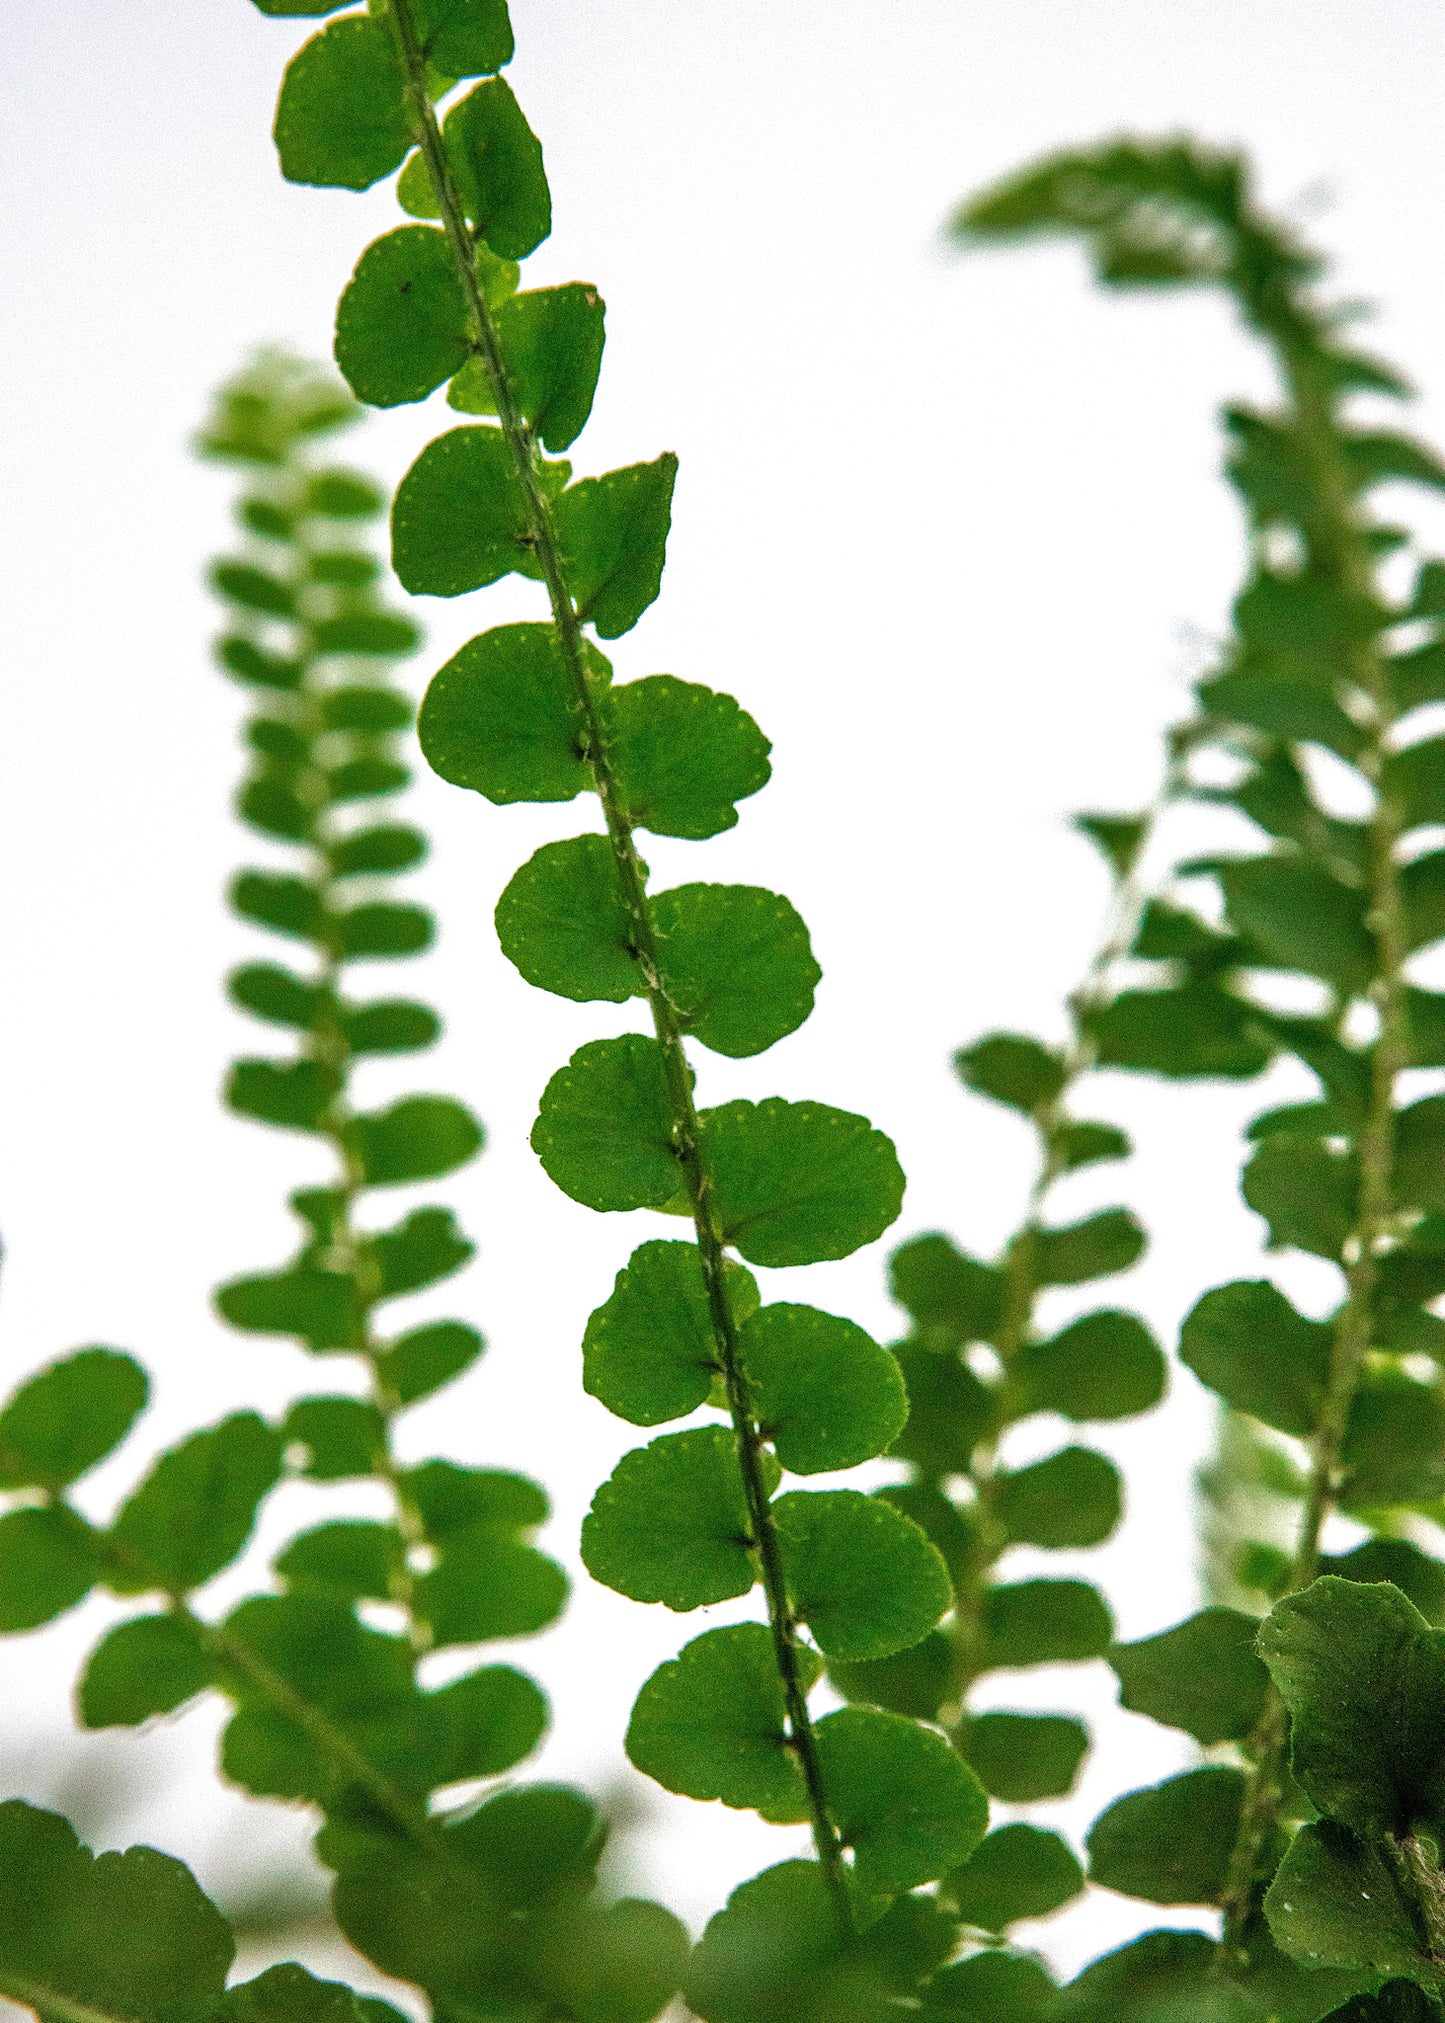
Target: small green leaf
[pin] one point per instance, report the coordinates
(1420, 1152)
(255, 589)
(460, 517)
(383, 931)
(551, 341)
(343, 495)
(355, 1560)
(951, 1299)
(422, 1360)
(1202, 1676)
(901, 1799)
(401, 323)
(1422, 891)
(1073, 1498)
(823, 1392)
(736, 963)
(49, 1561)
(990, 1987)
(389, 1026)
(950, 1411)
(66, 1418)
(322, 1307)
(1046, 1622)
(650, 1354)
(1192, 1030)
(294, 1094)
(113, 1935)
(289, 905)
(492, 1718)
(1079, 1142)
(450, 1500)
(798, 1183)
(416, 1139)
(1018, 1872)
(1301, 917)
(710, 1724)
(342, 1437)
(1097, 1247)
(683, 755)
(1418, 1577)
(915, 1682)
(611, 534)
(1336, 1901)
(1165, 1977)
(1102, 1366)
(289, 1994)
(562, 921)
(193, 1513)
(863, 1577)
(150, 1665)
(488, 1585)
(1363, 1676)
(342, 119)
(776, 1955)
(419, 1251)
(604, 1129)
(275, 994)
(503, 718)
(1170, 1844)
(1013, 1070)
(1394, 1446)
(497, 162)
(1307, 1193)
(1248, 1343)
(465, 38)
(1024, 1757)
(670, 1524)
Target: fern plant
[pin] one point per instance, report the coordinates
(1315, 1827)
(1327, 656)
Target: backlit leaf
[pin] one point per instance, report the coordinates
(147, 1666)
(1025, 1757)
(604, 1129)
(650, 1353)
(736, 964)
(562, 921)
(503, 718)
(69, 1416)
(460, 517)
(48, 1562)
(193, 1513)
(1102, 1366)
(671, 1523)
(1046, 1622)
(683, 755)
(901, 1799)
(342, 119)
(611, 534)
(1172, 1843)
(1018, 1872)
(401, 323)
(416, 1139)
(710, 1724)
(797, 1183)
(1203, 1676)
(822, 1391)
(1073, 1498)
(497, 162)
(1248, 1343)
(863, 1577)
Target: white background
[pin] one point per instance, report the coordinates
(951, 529)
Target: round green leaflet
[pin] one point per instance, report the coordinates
(671, 1525)
(823, 1392)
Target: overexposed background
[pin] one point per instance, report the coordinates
(951, 529)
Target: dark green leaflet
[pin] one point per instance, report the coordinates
(1351, 1177)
